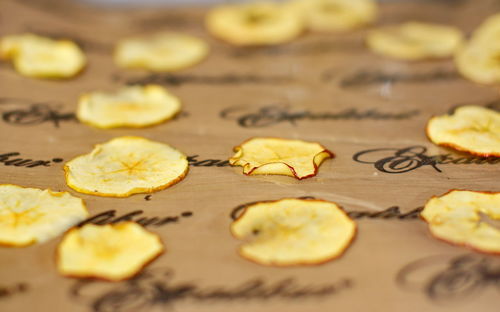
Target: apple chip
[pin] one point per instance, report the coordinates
(293, 232)
(478, 61)
(126, 166)
(455, 217)
(472, 129)
(260, 23)
(161, 52)
(415, 41)
(40, 57)
(488, 31)
(336, 15)
(30, 215)
(112, 252)
(294, 158)
(136, 106)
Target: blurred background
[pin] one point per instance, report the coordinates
(155, 2)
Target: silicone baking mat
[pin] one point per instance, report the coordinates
(369, 110)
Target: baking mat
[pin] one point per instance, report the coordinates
(370, 111)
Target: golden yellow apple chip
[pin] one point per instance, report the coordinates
(478, 61)
(40, 57)
(137, 106)
(336, 15)
(29, 215)
(415, 41)
(259, 23)
(112, 252)
(488, 31)
(455, 217)
(293, 232)
(126, 166)
(294, 158)
(161, 52)
(472, 129)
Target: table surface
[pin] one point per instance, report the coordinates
(369, 110)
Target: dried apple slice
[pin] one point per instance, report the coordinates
(161, 52)
(296, 158)
(126, 166)
(136, 106)
(415, 41)
(488, 31)
(472, 129)
(293, 232)
(40, 57)
(478, 61)
(30, 215)
(336, 15)
(112, 252)
(455, 217)
(260, 23)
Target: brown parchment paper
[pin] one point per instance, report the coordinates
(369, 110)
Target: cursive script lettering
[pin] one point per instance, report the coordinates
(460, 278)
(36, 114)
(371, 77)
(154, 288)
(109, 217)
(193, 161)
(306, 48)
(7, 291)
(27, 113)
(9, 159)
(225, 79)
(410, 158)
(492, 104)
(389, 213)
(270, 115)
